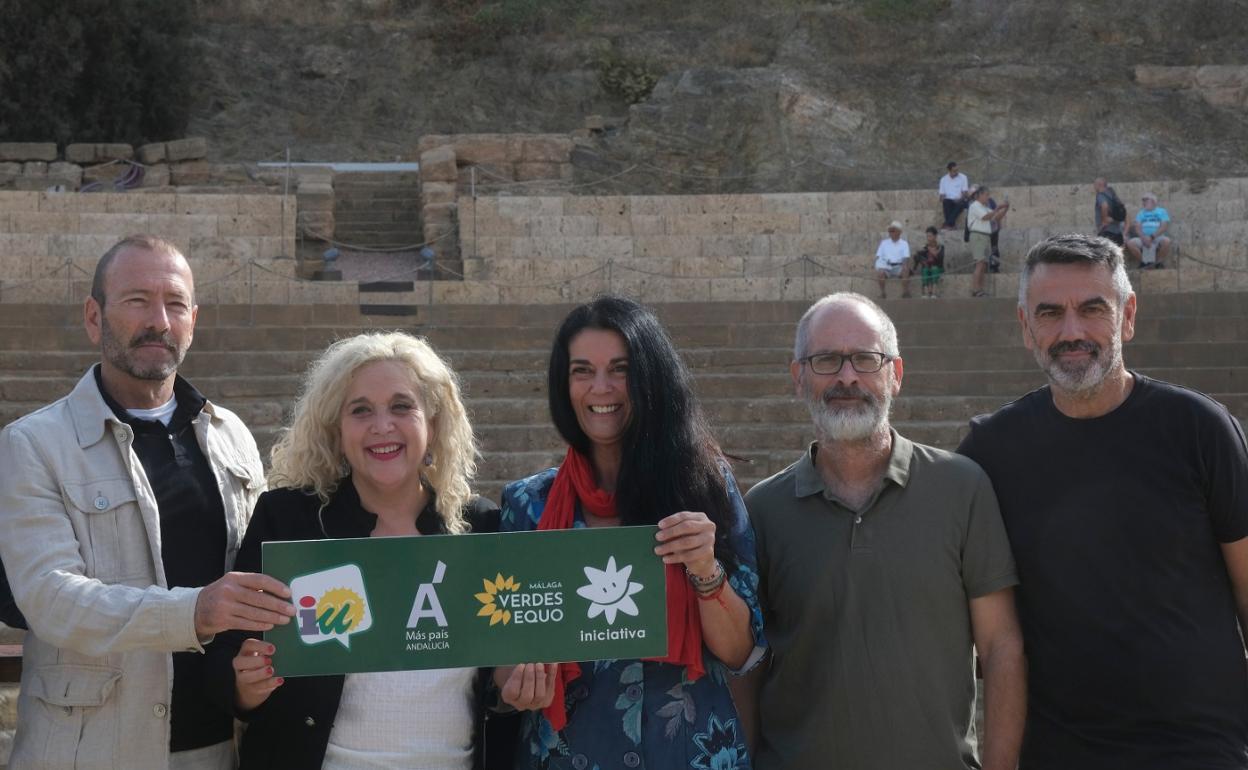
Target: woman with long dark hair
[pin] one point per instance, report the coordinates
(640, 452)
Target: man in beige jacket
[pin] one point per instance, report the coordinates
(121, 508)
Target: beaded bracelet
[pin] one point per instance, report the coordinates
(709, 583)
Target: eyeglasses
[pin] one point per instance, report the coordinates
(864, 362)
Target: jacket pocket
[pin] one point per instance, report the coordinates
(118, 548)
(74, 725)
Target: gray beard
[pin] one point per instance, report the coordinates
(841, 424)
(1081, 379)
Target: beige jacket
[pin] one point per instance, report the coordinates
(80, 541)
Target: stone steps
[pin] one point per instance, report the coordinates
(377, 209)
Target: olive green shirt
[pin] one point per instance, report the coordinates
(867, 613)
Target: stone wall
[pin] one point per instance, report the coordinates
(241, 247)
(180, 163)
(461, 164)
(768, 246)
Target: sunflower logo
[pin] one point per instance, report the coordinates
(487, 597)
(339, 611)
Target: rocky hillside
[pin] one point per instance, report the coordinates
(732, 95)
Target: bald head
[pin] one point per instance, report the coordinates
(144, 243)
(851, 302)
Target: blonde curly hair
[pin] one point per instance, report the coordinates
(309, 453)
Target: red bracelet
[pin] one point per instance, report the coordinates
(716, 595)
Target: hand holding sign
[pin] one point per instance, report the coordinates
(528, 686)
(688, 538)
(253, 674)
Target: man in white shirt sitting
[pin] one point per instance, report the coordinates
(955, 194)
(892, 260)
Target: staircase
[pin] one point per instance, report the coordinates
(963, 357)
(377, 209)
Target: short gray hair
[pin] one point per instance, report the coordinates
(1075, 249)
(888, 331)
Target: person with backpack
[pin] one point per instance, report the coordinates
(1110, 212)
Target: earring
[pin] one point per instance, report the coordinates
(428, 458)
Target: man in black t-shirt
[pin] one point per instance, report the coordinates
(1126, 503)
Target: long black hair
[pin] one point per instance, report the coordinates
(669, 461)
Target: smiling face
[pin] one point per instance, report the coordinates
(385, 429)
(1074, 326)
(147, 321)
(848, 405)
(598, 385)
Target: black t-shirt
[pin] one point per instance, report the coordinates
(192, 545)
(1134, 653)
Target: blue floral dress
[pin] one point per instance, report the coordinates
(639, 714)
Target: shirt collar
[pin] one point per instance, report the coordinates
(190, 402)
(808, 480)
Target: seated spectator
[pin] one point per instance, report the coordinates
(955, 195)
(930, 263)
(1150, 245)
(892, 260)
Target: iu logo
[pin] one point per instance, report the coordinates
(331, 604)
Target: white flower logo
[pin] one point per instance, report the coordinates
(609, 591)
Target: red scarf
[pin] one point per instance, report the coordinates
(573, 482)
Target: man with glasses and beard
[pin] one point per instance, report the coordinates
(121, 508)
(1126, 502)
(881, 562)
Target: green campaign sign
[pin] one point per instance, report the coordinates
(452, 601)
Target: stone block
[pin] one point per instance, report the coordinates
(190, 172)
(547, 148)
(823, 245)
(766, 224)
(438, 165)
(667, 205)
(250, 225)
(98, 153)
(615, 225)
(528, 172)
(795, 203)
(206, 203)
(816, 223)
(24, 151)
(47, 223)
(68, 174)
(19, 201)
(599, 206)
(157, 175)
(313, 175)
(89, 248)
(610, 247)
(437, 192)
(149, 154)
(648, 224)
(495, 226)
(700, 224)
(550, 227)
(537, 206)
(260, 205)
(9, 171)
(24, 245)
(112, 224)
(141, 203)
(478, 149)
(464, 293)
(667, 246)
(735, 245)
(35, 168)
(439, 214)
(13, 268)
(191, 148)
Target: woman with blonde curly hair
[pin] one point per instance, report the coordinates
(379, 445)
